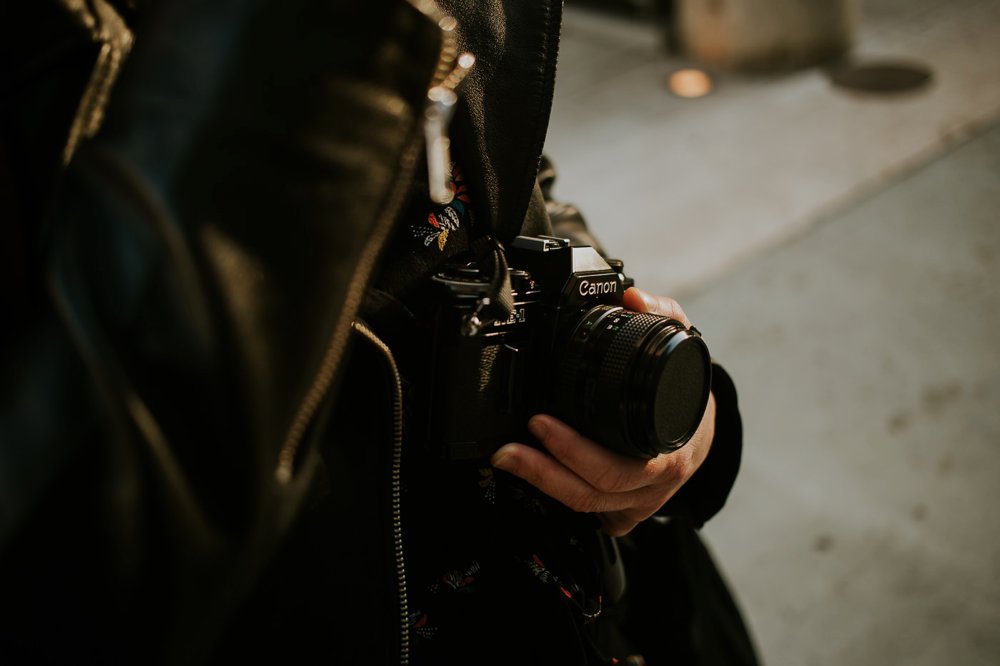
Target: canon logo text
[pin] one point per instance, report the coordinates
(598, 288)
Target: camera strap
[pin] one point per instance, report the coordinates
(497, 304)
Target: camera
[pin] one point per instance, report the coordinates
(637, 383)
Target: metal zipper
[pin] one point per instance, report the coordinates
(441, 101)
(396, 494)
(106, 27)
(451, 68)
(447, 75)
(338, 341)
(442, 97)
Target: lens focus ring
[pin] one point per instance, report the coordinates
(622, 349)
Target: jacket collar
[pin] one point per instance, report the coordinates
(499, 128)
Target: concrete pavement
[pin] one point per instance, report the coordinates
(840, 253)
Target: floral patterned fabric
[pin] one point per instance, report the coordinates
(443, 220)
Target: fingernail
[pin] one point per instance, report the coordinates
(539, 426)
(500, 457)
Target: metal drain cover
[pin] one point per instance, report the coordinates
(881, 77)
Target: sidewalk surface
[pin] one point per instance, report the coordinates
(840, 253)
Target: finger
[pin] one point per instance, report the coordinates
(556, 480)
(642, 301)
(599, 466)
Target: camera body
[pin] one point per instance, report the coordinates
(636, 383)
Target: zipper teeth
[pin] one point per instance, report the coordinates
(441, 99)
(338, 341)
(397, 484)
(447, 57)
(449, 54)
(449, 40)
(90, 112)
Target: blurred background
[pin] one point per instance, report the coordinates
(822, 194)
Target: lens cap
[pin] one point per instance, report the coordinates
(681, 392)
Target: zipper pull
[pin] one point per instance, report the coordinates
(441, 101)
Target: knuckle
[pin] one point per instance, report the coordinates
(674, 470)
(610, 480)
(585, 502)
(671, 308)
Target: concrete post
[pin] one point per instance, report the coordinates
(764, 35)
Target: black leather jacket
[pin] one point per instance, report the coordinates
(200, 440)
(163, 412)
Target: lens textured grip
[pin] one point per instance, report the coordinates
(614, 419)
(622, 349)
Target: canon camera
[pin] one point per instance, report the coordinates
(634, 382)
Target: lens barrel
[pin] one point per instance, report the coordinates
(637, 383)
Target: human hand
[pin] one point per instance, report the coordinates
(587, 477)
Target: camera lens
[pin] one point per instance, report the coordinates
(635, 382)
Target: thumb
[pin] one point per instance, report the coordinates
(642, 301)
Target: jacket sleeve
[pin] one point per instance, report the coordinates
(707, 490)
